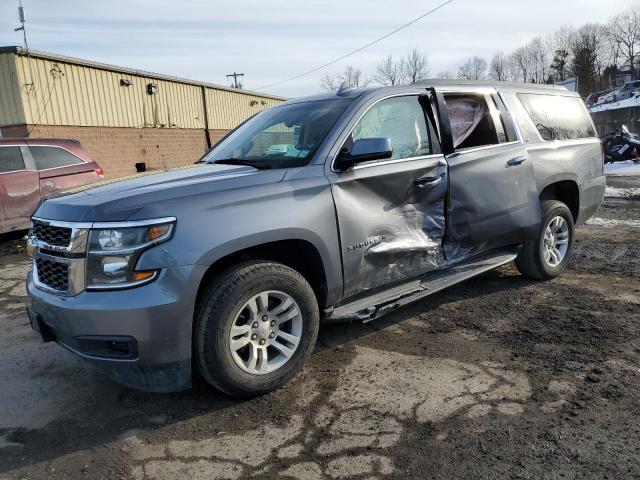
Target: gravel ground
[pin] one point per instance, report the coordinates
(499, 377)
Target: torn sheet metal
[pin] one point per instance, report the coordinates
(391, 225)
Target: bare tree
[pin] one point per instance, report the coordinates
(498, 70)
(624, 32)
(415, 67)
(561, 39)
(389, 72)
(539, 55)
(473, 69)
(521, 57)
(351, 76)
(330, 82)
(446, 75)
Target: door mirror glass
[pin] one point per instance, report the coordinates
(366, 150)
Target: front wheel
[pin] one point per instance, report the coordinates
(255, 326)
(547, 255)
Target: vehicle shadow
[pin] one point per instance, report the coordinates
(104, 412)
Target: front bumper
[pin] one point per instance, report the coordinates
(147, 328)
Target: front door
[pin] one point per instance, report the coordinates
(19, 187)
(493, 198)
(391, 212)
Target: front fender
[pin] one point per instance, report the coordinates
(209, 229)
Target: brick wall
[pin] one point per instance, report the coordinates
(117, 150)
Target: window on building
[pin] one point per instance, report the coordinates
(400, 119)
(472, 124)
(11, 159)
(557, 117)
(52, 157)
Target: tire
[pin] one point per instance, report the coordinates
(531, 261)
(236, 299)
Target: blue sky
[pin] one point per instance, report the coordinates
(273, 40)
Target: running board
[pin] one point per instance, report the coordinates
(374, 306)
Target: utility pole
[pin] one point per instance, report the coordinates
(235, 76)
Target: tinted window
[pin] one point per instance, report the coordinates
(11, 159)
(52, 157)
(472, 124)
(557, 117)
(529, 132)
(400, 119)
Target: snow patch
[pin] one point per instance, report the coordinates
(612, 223)
(622, 168)
(617, 192)
(626, 103)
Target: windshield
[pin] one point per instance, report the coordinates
(281, 137)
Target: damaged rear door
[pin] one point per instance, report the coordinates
(493, 198)
(391, 211)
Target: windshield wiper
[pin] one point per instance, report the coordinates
(242, 161)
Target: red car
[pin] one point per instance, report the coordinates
(32, 168)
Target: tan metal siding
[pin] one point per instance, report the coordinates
(79, 95)
(228, 109)
(11, 111)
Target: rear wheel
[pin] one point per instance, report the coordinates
(256, 325)
(547, 255)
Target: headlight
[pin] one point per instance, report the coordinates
(114, 251)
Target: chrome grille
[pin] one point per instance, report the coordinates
(53, 274)
(51, 234)
(59, 255)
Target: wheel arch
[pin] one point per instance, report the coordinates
(302, 254)
(566, 191)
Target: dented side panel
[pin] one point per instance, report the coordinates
(391, 221)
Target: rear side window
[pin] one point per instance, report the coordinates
(11, 159)
(52, 157)
(472, 123)
(557, 117)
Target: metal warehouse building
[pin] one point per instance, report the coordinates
(121, 116)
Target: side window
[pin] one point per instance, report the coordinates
(11, 159)
(527, 129)
(472, 122)
(52, 157)
(400, 119)
(557, 117)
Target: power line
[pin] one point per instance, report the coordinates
(361, 48)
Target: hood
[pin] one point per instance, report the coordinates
(117, 200)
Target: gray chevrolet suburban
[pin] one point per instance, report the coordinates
(338, 207)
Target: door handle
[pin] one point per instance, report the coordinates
(428, 182)
(516, 161)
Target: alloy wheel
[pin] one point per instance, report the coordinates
(266, 332)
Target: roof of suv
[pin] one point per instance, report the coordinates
(357, 92)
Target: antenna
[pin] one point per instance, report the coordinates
(235, 76)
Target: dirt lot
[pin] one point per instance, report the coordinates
(499, 377)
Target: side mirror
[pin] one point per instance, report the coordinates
(366, 150)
